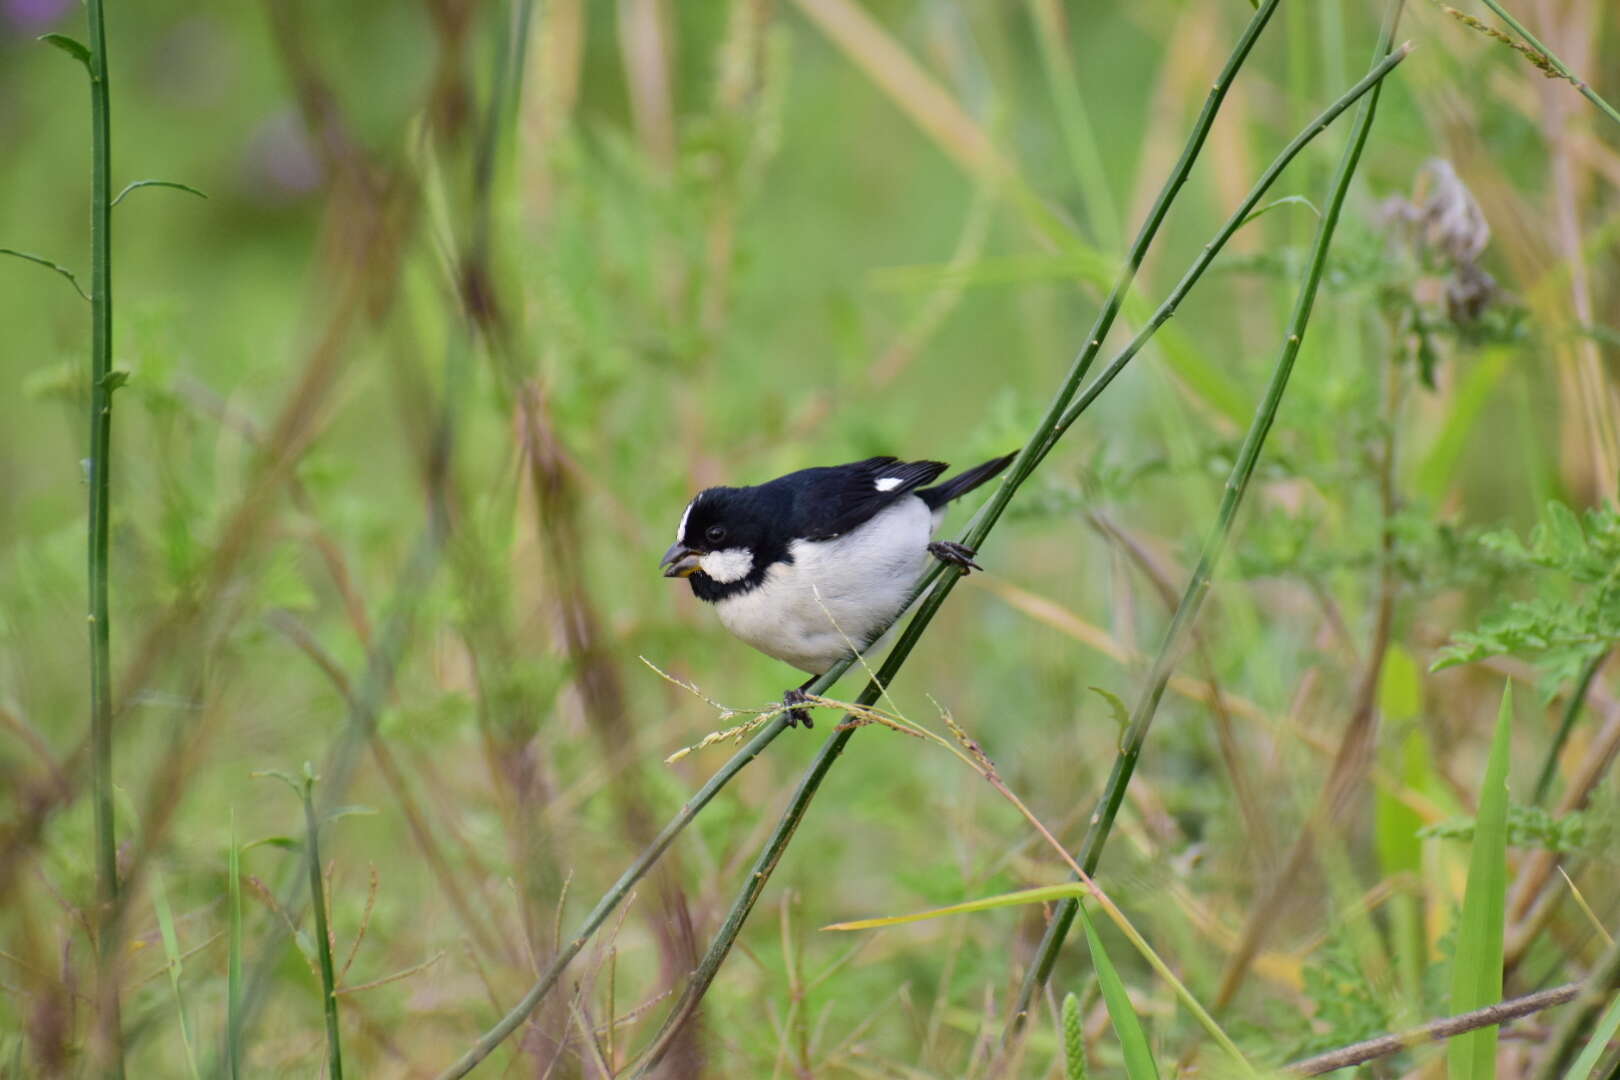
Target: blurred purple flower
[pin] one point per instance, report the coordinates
(32, 15)
(280, 159)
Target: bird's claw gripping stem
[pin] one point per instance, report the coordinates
(796, 715)
(953, 554)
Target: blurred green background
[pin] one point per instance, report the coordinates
(481, 293)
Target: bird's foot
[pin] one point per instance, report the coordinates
(793, 699)
(953, 554)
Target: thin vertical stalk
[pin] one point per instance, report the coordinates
(233, 962)
(1028, 457)
(101, 391)
(1102, 819)
(323, 933)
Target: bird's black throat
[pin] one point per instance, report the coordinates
(707, 589)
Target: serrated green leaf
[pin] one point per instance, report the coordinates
(157, 183)
(70, 45)
(1527, 827)
(1139, 1064)
(1476, 971)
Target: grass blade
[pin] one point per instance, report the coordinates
(1073, 892)
(171, 954)
(233, 979)
(1039, 895)
(1476, 974)
(1133, 1040)
(1607, 1025)
(47, 264)
(323, 936)
(176, 185)
(70, 45)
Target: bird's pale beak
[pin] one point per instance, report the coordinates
(680, 561)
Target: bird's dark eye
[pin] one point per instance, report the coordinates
(715, 533)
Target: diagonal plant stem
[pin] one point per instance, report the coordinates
(101, 391)
(1021, 467)
(1580, 84)
(1434, 1031)
(1236, 221)
(1198, 586)
(1028, 458)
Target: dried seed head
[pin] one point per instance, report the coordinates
(1443, 225)
(1452, 220)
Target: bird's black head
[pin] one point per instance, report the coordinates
(726, 542)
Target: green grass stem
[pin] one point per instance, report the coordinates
(101, 395)
(1476, 967)
(233, 975)
(1599, 1042)
(1244, 213)
(174, 965)
(323, 933)
(1580, 84)
(1026, 461)
(1198, 586)
(1566, 724)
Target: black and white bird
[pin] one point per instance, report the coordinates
(808, 564)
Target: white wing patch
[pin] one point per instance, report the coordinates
(888, 483)
(732, 564)
(680, 530)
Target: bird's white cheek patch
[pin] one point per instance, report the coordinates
(732, 564)
(888, 483)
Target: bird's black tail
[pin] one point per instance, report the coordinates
(962, 483)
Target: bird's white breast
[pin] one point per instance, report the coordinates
(835, 593)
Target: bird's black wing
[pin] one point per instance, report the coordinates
(829, 502)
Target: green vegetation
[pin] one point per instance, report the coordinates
(479, 294)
